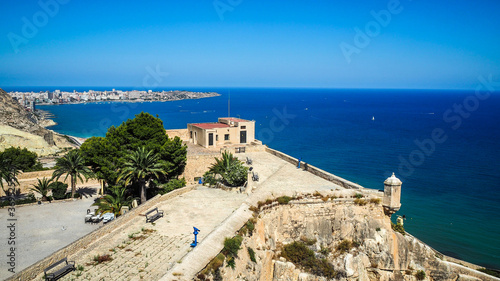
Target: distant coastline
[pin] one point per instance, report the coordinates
(127, 101)
(30, 99)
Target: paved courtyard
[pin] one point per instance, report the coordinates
(146, 251)
(43, 229)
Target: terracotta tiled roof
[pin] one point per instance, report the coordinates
(210, 125)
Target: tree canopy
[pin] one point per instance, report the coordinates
(72, 164)
(23, 159)
(108, 155)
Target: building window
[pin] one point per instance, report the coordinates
(190, 134)
(226, 137)
(216, 137)
(243, 127)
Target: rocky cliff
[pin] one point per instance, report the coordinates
(19, 127)
(346, 241)
(14, 115)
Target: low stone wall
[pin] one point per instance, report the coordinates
(315, 171)
(90, 239)
(183, 134)
(34, 175)
(27, 180)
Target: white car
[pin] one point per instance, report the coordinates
(107, 217)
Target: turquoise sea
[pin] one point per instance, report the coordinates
(443, 145)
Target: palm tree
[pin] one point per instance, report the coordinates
(228, 169)
(141, 166)
(42, 187)
(113, 203)
(8, 173)
(73, 165)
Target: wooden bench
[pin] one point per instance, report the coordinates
(68, 267)
(153, 215)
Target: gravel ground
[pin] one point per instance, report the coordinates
(41, 230)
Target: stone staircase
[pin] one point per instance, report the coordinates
(143, 256)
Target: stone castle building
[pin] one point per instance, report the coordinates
(227, 131)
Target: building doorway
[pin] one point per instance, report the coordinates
(243, 137)
(210, 139)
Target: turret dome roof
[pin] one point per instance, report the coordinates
(392, 180)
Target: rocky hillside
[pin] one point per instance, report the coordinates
(14, 115)
(320, 240)
(19, 127)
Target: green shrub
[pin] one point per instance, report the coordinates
(283, 200)
(360, 202)
(420, 275)
(299, 254)
(398, 228)
(307, 241)
(250, 226)
(346, 246)
(58, 190)
(28, 200)
(230, 262)
(251, 253)
(232, 246)
(23, 159)
(214, 265)
(358, 195)
(228, 170)
(325, 251)
(172, 185)
(375, 201)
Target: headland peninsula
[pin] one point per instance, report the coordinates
(29, 99)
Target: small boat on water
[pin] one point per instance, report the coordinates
(373, 118)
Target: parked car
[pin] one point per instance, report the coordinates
(107, 217)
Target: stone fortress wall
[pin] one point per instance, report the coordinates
(197, 165)
(382, 254)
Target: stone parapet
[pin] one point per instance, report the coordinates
(315, 171)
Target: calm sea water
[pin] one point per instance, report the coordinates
(450, 193)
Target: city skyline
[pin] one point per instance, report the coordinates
(329, 44)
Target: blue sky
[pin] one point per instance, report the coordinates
(249, 43)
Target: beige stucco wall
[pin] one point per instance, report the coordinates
(198, 136)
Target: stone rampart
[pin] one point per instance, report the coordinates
(183, 134)
(196, 166)
(315, 171)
